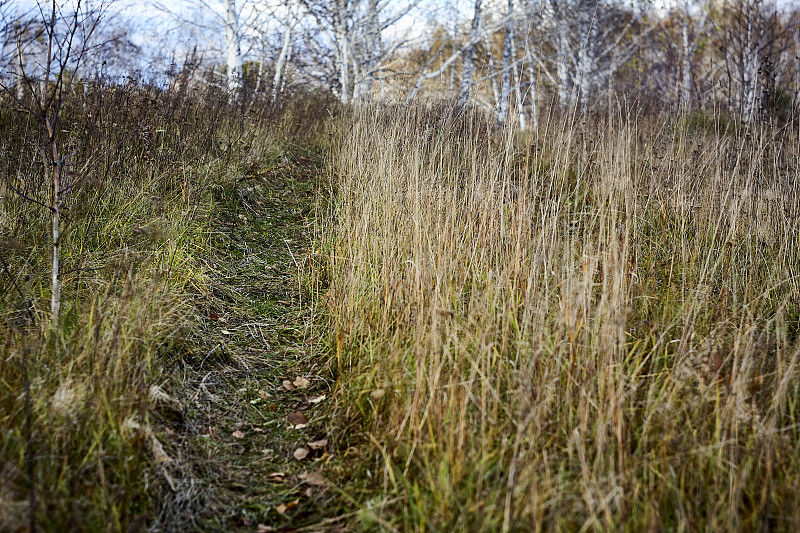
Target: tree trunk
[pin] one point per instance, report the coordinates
(20, 81)
(55, 209)
(283, 57)
(505, 91)
(342, 51)
(518, 86)
(586, 62)
(750, 69)
(686, 68)
(469, 56)
(493, 76)
(534, 103)
(562, 59)
(233, 56)
(452, 82)
(375, 41)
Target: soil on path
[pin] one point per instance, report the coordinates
(245, 434)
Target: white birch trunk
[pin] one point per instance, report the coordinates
(469, 55)
(493, 77)
(260, 75)
(233, 54)
(686, 67)
(375, 40)
(533, 90)
(342, 51)
(20, 81)
(283, 57)
(53, 163)
(586, 63)
(562, 60)
(518, 86)
(505, 91)
(750, 69)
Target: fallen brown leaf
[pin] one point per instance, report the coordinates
(288, 385)
(283, 507)
(277, 477)
(297, 419)
(300, 453)
(263, 528)
(300, 382)
(318, 444)
(315, 478)
(238, 434)
(263, 394)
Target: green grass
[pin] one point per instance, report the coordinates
(155, 171)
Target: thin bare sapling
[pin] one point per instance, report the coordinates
(65, 33)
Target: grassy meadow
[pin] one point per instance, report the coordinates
(588, 327)
(82, 442)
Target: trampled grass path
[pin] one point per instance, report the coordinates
(229, 436)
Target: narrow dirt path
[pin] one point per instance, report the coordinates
(245, 436)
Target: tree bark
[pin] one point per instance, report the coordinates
(505, 91)
(562, 55)
(283, 57)
(375, 42)
(469, 55)
(233, 55)
(343, 51)
(686, 67)
(518, 86)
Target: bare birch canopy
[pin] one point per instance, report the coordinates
(506, 56)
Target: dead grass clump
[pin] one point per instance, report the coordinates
(581, 328)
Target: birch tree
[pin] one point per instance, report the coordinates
(354, 43)
(591, 40)
(691, 27)
(233, 46)
(469, 54)
(508, 46)
(753, 39)
(478, 32)
(66, 35)
(286, 51)
(233, 21)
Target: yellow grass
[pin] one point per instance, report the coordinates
(590, 327)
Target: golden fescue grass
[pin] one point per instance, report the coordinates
(593, 327)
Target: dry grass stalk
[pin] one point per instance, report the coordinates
(588, 328)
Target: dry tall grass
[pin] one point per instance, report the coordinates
(593, 327)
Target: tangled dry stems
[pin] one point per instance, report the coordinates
(588, 327)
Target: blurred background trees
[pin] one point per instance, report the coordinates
(510, 57)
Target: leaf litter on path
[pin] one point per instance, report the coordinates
(237, 392)
(297, 419)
